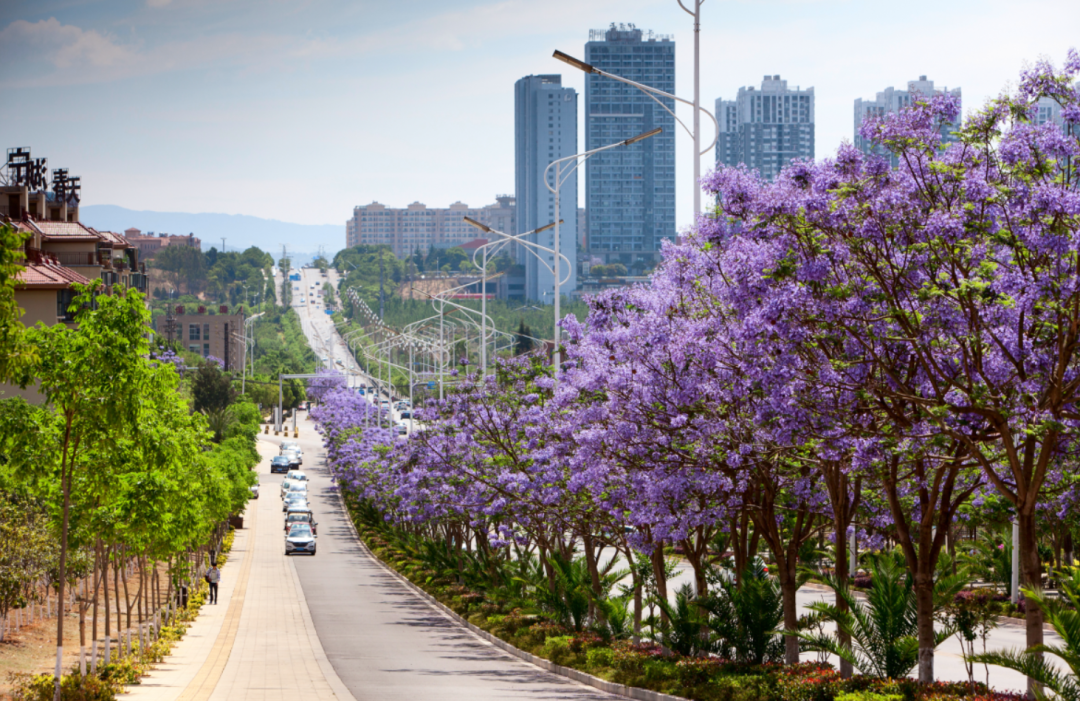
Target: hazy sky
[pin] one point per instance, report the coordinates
(300, 110)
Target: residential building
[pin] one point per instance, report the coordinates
(765, 129)
(207, 332)
(419, 227)
(891, 101)
(149, 244)
(545, 129)
(629, 191)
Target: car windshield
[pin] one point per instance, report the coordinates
(297, 487)
(300, 529)
(299, 517)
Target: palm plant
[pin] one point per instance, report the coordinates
(683, 632)
(1066, 623)
(567, 597)
(744, 620)
(990, 558)
(884, 633)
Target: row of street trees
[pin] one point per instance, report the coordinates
(850, 349)
(123, 466)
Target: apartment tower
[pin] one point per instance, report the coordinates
(545, 129)
(892, 100)
(629, 191)
(766, 129)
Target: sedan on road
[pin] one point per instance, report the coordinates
(298, 515)
(279, 463)
(300, 539)
(294, 499)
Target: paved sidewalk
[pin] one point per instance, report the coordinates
(258, 642)
(179, 670)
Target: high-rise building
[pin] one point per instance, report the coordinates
(629, 191)
(418, 227)
(545, 129)
(892, 100)
(766, 129)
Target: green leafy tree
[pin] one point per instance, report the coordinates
(89, 375)
(16, 354)
(211, 388)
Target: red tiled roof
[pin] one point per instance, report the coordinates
(118, 240)
(66, 230)
(48, 276)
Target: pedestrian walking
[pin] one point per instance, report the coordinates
(213, 577)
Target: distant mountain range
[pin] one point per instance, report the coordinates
(240, 230)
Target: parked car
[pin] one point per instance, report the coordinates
(255, 491)
(291, 477)
(296, 488)
(300, 539)
(294, 499)
(301, 516)
(279, 463)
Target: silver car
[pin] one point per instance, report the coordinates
(294, 499)
(300, 540)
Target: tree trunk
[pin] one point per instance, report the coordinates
(65, 486)
(788, 589)
(1031, 569)
(660, 576)
(841, 573)
(924, 602)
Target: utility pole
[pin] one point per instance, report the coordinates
(222, 244)
(382, 294)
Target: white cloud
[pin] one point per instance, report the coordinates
(61, 45)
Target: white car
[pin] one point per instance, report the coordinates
(293, 446)
(255, 491)
(300, 540)
(291, 478)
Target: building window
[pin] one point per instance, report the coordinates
(194, 348)
(205, 350)
(193, 333)
(206, 332)
(64, 298)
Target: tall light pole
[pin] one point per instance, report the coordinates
(559, 180)
(505, 238)
(652, 92)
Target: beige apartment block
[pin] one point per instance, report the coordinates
(208, 332)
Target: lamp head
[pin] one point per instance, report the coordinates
(576, 63)
(545, 227)
(642, 136)
(482, 227)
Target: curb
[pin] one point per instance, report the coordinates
(629, 692)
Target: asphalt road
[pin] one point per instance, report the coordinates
(383, 640)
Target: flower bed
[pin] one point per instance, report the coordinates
(647, 665)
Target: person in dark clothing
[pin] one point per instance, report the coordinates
(213, 577)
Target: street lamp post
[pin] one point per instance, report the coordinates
(652, 92)
(505, 239)
(578, 159)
